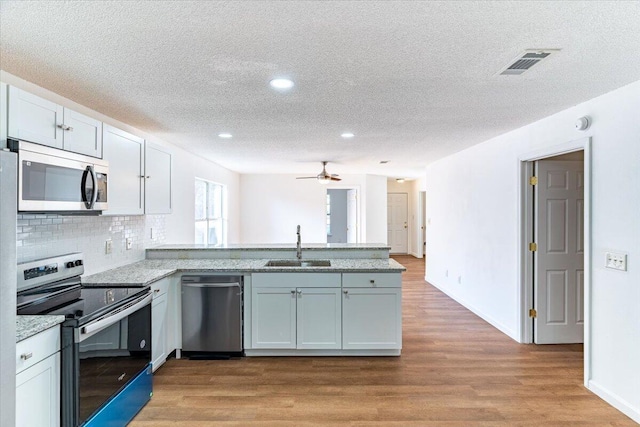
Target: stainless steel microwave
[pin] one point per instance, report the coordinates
(53, 180)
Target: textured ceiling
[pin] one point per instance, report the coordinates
(415, 81)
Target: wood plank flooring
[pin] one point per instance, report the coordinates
(455, 370)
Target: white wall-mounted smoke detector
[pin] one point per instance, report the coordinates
(583, 123)
(526, 60)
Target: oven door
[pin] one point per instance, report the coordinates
(112, 350)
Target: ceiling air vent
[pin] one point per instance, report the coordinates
(526, 60)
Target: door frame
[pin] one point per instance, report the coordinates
(358, 206)
(525, 218)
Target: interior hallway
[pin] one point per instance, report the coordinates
(455, 370)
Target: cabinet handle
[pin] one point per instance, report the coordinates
(65, 127)
(293, 291)
(155, 291)
(142, 176)
(148, 176)
(345, 292)
(26, 356)
(299, 292)
(372, 281)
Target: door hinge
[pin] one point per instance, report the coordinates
(533, 313)
(533, 180)
(533, 247)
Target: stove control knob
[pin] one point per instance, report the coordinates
(70, 264)
(78, 263)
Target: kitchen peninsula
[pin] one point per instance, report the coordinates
(348, 304)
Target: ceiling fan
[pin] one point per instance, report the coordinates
(323, 177)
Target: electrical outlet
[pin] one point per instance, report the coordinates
(108, 246)
(615, 261)
(151, 233)
(459, 280)
(446, 273)
(129, 242)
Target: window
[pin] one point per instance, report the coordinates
(328, 214)
(211, 213)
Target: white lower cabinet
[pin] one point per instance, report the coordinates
(319, 318)
(273, 317)
(164, 319)
(296, 311)
(38, 380)
(372, 318)
(159, 331)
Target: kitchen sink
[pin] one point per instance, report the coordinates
(296, 263)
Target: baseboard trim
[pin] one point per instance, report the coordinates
(615, 401)
(502, 328)
(415, 255)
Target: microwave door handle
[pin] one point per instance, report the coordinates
(89, 203)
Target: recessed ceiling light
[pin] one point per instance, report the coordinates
(225, 135)
(281, 84)
(400, 180)
(347, 135)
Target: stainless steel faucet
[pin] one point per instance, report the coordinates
(299, 247)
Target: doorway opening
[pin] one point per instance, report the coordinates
(343, 215)
(555, 241)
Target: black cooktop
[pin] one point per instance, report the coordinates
(74, 301)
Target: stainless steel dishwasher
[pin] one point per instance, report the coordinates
(212, 314)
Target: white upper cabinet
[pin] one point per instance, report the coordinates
(83, 134)
(38, 120)
(125, 153)
(157, 180)
(34, 119)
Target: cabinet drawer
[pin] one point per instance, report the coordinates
(372, 280)
(37, 348)
(296, 280)
(160, 287)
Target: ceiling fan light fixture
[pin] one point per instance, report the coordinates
(347, 135)
(324, 180)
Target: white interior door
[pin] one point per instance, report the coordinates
(352, 216)
(559, 259)
(397, 233)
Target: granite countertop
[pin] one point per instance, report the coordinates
(272, 247)
(28, 326)
(143, 273)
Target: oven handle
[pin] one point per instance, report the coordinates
(104, 322)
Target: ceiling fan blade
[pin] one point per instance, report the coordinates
(333, 178)
(307, 177)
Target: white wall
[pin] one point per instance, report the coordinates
(474, 232)
(273, 204)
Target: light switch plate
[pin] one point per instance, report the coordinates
(108, 246)
(615, 261)
(129, 242)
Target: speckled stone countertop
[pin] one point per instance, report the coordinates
(274, 247)
(28, 326)
(145, 272)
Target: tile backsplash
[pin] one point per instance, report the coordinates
(41, 236)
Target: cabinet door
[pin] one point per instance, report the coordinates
(273, 318)
(126, 184)
(319, 324)
(38, 394)
(158, 181)
(34, 119)
(159, 331)
(371, 318)
(84, 134)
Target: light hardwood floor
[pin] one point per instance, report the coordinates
(455, 370)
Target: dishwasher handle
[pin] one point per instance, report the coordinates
(210, 285)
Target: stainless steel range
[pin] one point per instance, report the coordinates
(106, 340)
